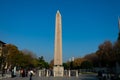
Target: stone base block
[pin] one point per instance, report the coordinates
(58, 71)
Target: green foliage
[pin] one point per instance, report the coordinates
(24, 59)
(93, 57)
(66, 66)
(13, 53)
(106, 55)
(42, 64)
(86, 65)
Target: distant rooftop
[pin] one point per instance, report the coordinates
(2, 42)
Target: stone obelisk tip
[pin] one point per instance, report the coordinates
(58, 11)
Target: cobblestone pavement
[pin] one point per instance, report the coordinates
(81, 77)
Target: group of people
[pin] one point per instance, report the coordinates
(102, 75)
(23, 73)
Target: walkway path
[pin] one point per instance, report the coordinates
(81, 77)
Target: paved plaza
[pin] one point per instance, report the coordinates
(81, 77)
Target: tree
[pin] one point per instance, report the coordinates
(66, 66)
(105, 53)
(24, 58)
(116, 50)
(86, 65)
(51, 63)
(77, 63)
(12, 56)
(92, 58)
(28, 60)
(42, 63)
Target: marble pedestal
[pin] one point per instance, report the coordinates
(58, 71)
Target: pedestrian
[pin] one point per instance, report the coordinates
(23, 73)
(31, 73)
(12, 73)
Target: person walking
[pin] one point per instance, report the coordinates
(31, 73)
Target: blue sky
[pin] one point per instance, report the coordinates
(30, 24)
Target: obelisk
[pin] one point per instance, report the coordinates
(58, 68)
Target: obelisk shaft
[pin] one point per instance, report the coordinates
(58, 40)
(58, 68)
